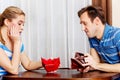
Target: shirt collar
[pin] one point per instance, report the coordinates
(107, 28)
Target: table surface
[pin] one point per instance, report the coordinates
(62, 74)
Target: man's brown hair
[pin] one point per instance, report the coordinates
(93, 12)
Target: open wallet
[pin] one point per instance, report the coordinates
(77, 61)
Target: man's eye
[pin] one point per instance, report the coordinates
(84, 23)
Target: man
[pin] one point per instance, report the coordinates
(104, 41)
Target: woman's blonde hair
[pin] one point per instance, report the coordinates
(9, 13)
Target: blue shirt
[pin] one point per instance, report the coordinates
(108, 47)
(9, 54)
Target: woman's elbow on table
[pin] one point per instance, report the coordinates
(13, 70)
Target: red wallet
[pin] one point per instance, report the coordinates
(51, 65)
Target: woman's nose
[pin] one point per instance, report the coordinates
(21, 27)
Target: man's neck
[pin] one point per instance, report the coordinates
(100, 31)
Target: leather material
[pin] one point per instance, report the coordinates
(77, 61)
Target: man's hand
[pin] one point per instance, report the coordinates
(83, 70)
(90, 64)
(89, 61)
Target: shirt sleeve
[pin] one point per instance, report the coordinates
(117, 40)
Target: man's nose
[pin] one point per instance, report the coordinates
(83, 28)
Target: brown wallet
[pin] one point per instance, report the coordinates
(77, 61)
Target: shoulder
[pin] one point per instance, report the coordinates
(1, 45)
(3, 48)
(114, 34)
(113, 31)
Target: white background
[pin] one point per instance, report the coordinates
(52, 28)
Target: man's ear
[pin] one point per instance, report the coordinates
(97, 20)
(7, 22)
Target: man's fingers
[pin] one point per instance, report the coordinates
(86, 69)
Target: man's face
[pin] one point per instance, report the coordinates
(88, 26)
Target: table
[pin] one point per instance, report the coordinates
(62, 74)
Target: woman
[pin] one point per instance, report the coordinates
(11, 48)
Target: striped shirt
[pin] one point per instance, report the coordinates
(108, 47)
(9, 54)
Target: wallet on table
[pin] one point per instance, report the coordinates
(77, 61)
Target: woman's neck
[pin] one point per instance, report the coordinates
(5, 37)
(4, 33)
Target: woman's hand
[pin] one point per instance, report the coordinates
(13, 33)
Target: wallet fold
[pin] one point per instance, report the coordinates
(77, 61)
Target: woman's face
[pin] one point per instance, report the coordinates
(18, 22)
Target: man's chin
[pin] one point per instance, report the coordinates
(90, 36)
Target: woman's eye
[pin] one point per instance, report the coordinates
(20, 24)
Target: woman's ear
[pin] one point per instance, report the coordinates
(7, 22)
